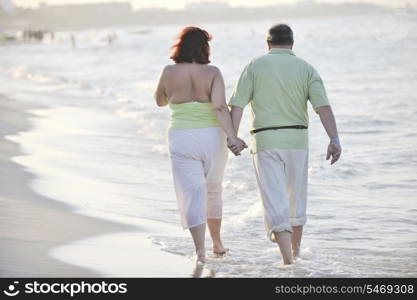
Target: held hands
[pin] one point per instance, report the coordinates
(334, 150)
(236, 145)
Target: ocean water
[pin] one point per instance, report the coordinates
(101, 144)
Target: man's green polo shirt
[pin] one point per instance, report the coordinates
(278, 86)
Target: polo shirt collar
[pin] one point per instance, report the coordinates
(281, 51)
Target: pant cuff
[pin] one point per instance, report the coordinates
(278, 228)
(298, 221)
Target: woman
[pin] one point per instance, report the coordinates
(200, 123)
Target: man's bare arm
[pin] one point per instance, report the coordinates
(236, 114)
(328, 120)
(334, 150)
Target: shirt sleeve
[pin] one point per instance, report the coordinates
(243, 92)
(316, 90)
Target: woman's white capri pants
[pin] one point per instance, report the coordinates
(198, 158)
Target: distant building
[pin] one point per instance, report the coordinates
(207, 6)
(105, 8)
(86, 13)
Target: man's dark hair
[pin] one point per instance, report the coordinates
(280, 34)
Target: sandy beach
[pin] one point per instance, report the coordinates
(30, 224)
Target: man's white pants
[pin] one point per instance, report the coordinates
(282, 176)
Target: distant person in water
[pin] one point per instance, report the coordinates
(200, 131)
(73, 42)
(278, 86)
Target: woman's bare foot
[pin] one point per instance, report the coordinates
(200, 260)
(198, 234)
(218, 249)
(214, 227)
(200, 257)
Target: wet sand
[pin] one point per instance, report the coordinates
(30, 224)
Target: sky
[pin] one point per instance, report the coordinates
(177, 4)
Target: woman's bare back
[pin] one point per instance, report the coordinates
(186, 82)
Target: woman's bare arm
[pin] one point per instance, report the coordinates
(222, 112)
(160, 95)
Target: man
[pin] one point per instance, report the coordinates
(278, 86)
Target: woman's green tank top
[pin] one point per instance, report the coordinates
(191, 115)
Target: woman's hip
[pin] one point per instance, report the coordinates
(197, 142)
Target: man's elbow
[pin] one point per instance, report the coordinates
(323, 109)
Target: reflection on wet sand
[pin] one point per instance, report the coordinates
(201, 270)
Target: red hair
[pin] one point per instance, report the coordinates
(192, 46)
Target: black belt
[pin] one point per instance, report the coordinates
(278, 127)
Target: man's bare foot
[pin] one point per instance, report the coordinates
(283, 239)
(296, 254)
(287, 261)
